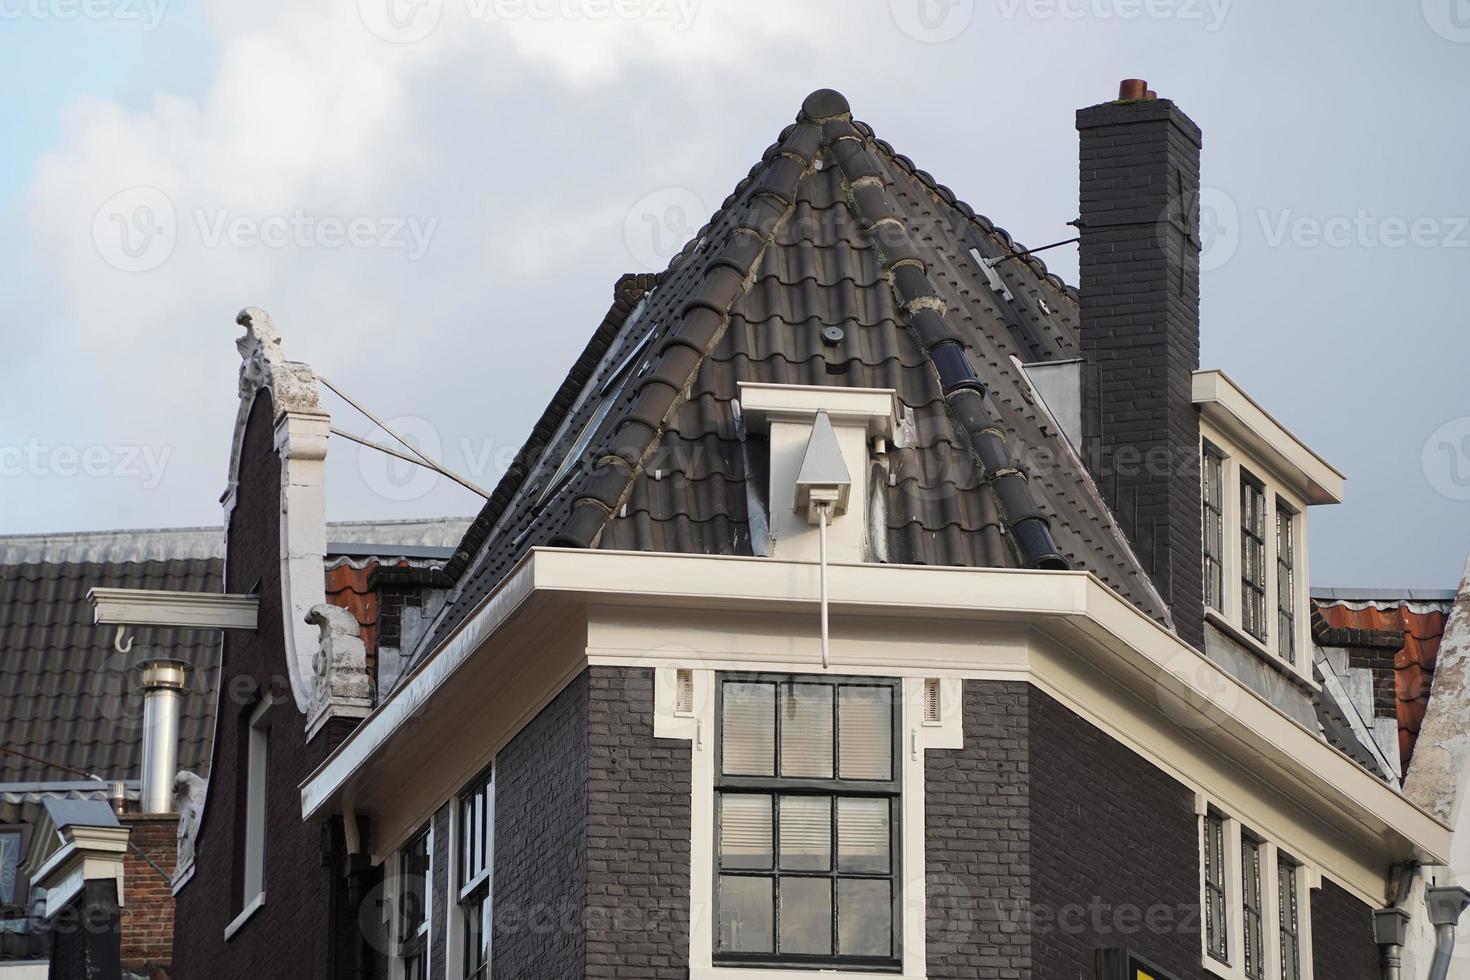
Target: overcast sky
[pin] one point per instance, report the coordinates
(433, 199)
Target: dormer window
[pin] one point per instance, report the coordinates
(1256, 482)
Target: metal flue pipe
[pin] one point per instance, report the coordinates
(163, 682)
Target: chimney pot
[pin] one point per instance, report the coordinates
(1130, 89)
(1150, 95)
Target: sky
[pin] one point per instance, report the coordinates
(433, 199)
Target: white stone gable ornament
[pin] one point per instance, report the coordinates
(341, 686)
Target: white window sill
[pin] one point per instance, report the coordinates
(1222, 970)
(253, 906)
(761, 973)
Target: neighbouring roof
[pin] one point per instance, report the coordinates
(69, 699)
(831, 229)
(1393, 631)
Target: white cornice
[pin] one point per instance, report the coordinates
(190, 610)
(1118, 641)
(1223, 404)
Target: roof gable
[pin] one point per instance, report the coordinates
(835, 263)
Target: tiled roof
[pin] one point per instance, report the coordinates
(835, 262)
(68, 698)
(1394, 632)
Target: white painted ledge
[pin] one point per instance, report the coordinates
(253, 906)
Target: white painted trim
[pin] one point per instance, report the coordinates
(876, 409)
(699, 729)
(1270, 901)
(1102, 635)
(257, 765)
(253, 906)
(187, 610)
(1237, 457)
(1222, 403)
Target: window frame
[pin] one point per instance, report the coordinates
(479, 887)
(1212, 517)
(1228, 619)
(404, 946)
(19, 905)
(252, 836)
(775, 786)
(1236, 835)
(1288, 610)
(1253, 539)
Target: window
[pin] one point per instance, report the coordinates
(1285, 582)
(1257, 920)
(411, 911)
(1211, 476)
(1252, 556)
(1250, 877)
(476, 861)
(12, 880)
(256, 764)
(1217, 933)
(806, 822)
(1291, 932)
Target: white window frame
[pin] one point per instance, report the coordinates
(458, 892)
(1307, 877)
(699, 729)
(425, 929)
(1230, 618)
(257, 763)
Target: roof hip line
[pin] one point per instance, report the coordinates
(1027, 527)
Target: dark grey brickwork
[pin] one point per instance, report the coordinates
(976, 840)
(637, 836)
(1114, 852)
(540, 874)
(1342, 936)
(1139, 276)
(439, 907)
(306, 929)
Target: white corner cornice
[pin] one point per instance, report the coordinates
(301, 430)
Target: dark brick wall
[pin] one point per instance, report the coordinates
(976, 840)
(86, 935)
(303, 930)
(1342, 936)
(540, 875)
(442, 878)
(638, 833)
(1114, 852)
(1139, 277)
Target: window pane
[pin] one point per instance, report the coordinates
(862, 835)
(1216, 929)
(806, 833)
(1250, 861)
(9, 866)
(745, 831)
(806, 915)
(748, 740)
(747, 916)
(806, 730)
(864, 918)
(865, 732)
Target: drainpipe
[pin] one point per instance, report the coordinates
(359, 866)
(1445, 906)
(163, 680)
(1390, 931)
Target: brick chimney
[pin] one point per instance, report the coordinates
(1139, 273)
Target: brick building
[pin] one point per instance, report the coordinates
(866, 601)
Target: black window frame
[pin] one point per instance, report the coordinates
(1214, 856)
(776, 786)
(1212, 529)
(1253, 546)
(411, 911)
(474, 877)
(1286, 607)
